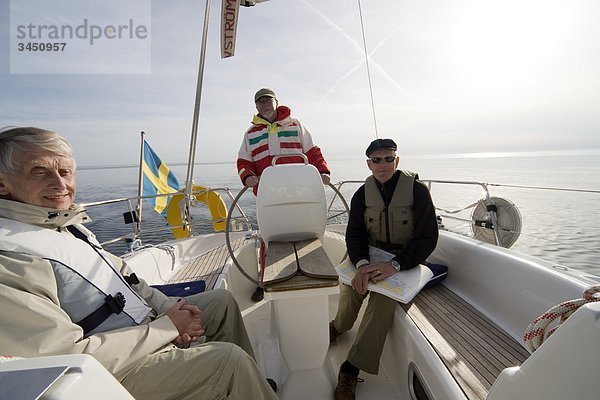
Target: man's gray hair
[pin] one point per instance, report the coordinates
(29, 139)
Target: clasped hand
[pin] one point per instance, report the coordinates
(186, 318)
(375, 272)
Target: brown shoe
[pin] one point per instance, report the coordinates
(346, 387)
(333, 333)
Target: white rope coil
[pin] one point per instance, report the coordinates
(537, 331)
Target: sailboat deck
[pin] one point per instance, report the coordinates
(471, 346)
(206, 267)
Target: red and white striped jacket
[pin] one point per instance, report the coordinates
(285, 136)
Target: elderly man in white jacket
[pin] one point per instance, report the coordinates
(54, 281)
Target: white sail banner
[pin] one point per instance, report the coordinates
(230, 10)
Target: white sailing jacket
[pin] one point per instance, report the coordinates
(84, 273)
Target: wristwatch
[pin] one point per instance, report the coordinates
(396, 265)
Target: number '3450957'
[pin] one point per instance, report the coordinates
(35, 46)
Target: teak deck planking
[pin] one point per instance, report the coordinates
(471, 346)
(207, 266)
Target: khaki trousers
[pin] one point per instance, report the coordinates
(221, 368)
(377, 320)
(211, 371)
(221, 318)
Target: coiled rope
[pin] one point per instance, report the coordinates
(536, 334)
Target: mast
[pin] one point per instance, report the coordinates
(194, 134)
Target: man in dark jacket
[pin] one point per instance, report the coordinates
(392, 211)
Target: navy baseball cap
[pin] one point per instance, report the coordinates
(379, 144)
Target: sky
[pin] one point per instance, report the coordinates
(460, 76)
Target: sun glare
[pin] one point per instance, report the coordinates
(498, 44)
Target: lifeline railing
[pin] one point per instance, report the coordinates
(239, 222)
(447, 214)
(243, 222)
(492, 211)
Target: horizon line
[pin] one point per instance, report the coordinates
(498, 154)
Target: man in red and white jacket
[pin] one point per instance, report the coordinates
(274, 132)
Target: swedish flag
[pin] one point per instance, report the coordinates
(158, 179)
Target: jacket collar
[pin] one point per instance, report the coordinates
(283, 116)
(390, 183)
(42, 216)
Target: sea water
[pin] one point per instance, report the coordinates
(557, 225)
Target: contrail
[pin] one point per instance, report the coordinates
(334, 25)
(360, 50)
(374, 64)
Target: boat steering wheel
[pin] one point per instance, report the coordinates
(228, 239)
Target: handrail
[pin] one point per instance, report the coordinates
(137, 229)
(545, 188)
(487, 202)
(337, 187)
(485, 186)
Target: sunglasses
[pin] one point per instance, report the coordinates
(377, 160)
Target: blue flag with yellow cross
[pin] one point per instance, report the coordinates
(158, 179)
